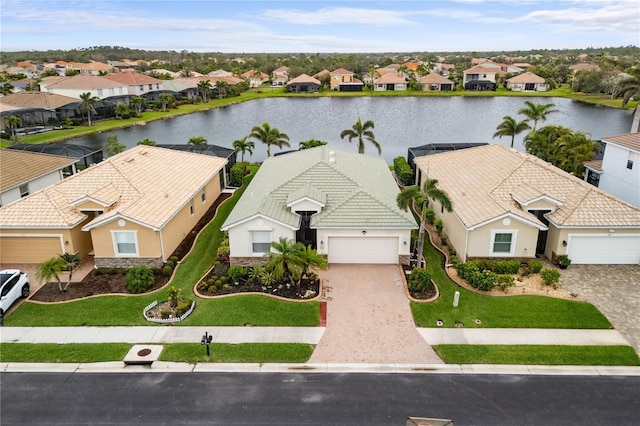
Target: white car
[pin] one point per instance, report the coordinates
(14, 285)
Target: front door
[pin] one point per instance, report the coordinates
(305, 234)
(542, 235)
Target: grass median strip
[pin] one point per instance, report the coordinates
(177, 352)
(538, 355)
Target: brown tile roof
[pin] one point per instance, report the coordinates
(37, 100)
(527, 77)
(478, 69)
(304, 78)
(321, 73)
(434, 77)
(131, 78)
(594, 164)
(85, 81)
(150, 183)
(482, 181)
(18, 167)
(390, 78)
(341, 71)
(627, 140)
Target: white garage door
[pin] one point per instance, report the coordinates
(604, 249)
(363, 250)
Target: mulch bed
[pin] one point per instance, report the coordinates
(431, 291)
(294, 292)
(106, 283)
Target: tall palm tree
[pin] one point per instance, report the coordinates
(627, 88)
(269, 136)
(536, 112)
(166, 99)
(51, 269)
(361, 131)
(311, 143)
(510, 127)
(222, 87)
(243, 146)
(308, 257)
(204, 86)
(88, 105)
(419, 197)
(284, 259)
(13, 122)
(197, 140)
(137, 102)
(577, 147)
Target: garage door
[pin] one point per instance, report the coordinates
(363, 250)
(604, 249)
(28, 249)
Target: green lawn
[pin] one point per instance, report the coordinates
(499, 312)
(177, 352)
(538, 355)
(127, 310)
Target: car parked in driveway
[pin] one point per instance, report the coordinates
(14, 285)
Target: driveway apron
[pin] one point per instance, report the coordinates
(369, 319)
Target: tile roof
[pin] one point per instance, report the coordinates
(37, 100)
(482, 182)
(341, 71)
(304, 78)
(358, 190)
(527, 77)
(390, 78)
(480, 69)
(131, 78)
(150, 184)
(434, 77)
(84, 81)
(594, 164)
(18, 167)
(627, 140)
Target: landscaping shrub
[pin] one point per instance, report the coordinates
(403, 170)
(504, 281)
(477, 277)
(167, 270)
(238, 171)
(174, 296)
(174, 259)
(550, 276)
(169, 263)
(139, 279)
(439, 225)
(237, 273)
(535, 266)
(97, 272)
(430, 215)
(505, 266)
(112, 271)
(419, 280)
(183, 307)
(165, 314)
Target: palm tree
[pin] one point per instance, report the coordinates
(627, 88)
(414, 196)
(137, 102)
(197, 140)
(308, 257)
(361, 131)
(88, 105)
(269, 136)
(166, 99)
(6, 89)
(284, 259)
(147, 141)
(577, 147)
(121, 110)
(222, 87)
(204, 86)
(311, 143)
(243, 146)
(13, 122)
(510, 127)
(536, 112)
(52, 268)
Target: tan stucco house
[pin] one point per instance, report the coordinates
(508, 204)
(527, 82)
(340, 203)
(133, 208)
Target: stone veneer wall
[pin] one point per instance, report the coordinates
(127, 262)
(404, 259)
(247, 261)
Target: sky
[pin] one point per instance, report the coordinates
(319, 26)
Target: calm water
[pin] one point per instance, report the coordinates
(400, 122)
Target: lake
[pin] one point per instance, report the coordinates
(400, 122)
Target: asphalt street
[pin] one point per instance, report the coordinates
(315, 399)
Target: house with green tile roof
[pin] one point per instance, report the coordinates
(343, 204)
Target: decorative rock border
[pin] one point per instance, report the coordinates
(167, 320)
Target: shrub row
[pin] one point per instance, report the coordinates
(236, 174)
(403, 170)
(482, 278)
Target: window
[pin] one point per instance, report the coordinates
(99, 92)
(151, 87)
(158, 86)
(203, 195)
(503, 243)
(141, 87)
(111, 92)
(630, 160)
(260, 241)
(191, 207)
(24, 190)
(125, 243)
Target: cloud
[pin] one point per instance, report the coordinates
(337, 15)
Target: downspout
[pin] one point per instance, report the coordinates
(161, 245)
(466, 244)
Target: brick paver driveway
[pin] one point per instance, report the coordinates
(614, 289)
(369, 319)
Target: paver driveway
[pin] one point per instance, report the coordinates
(614, 290)
(369, 319)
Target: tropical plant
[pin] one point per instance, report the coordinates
(174, 296)
(137, 102)
(147, 141)
(243, 146)
(139, 279)
(6, 89)
(166, 99)
(311, 143)
(114, 147)
(308, 257)
(197, 140)
(510, 127)
(204, 87)
(223, 88)
(550, 276)
(53, 267)
(13, 122)
(87, 105)
(362, 131)
(284, 259)
(122, 110)
(536, 112)
(562, 147)
(627, 88)
(415, 196)
(269, 136)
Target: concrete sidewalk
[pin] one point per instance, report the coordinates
(521, 336)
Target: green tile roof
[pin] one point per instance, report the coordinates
(358, 190)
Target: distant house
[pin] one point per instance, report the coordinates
(480, 78)
(85, 156)
(73, 87)
(39, 107)
(527, 82)
(340, 203)
(618, 173)
(255, 78)
(23, 173)
(343, 80)
(134, 208)
(281, 75)
(583, 66)
(435, 82)
(508, 204)
(303, 84)
(137, 84)
(324, 73)
(390, 81)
